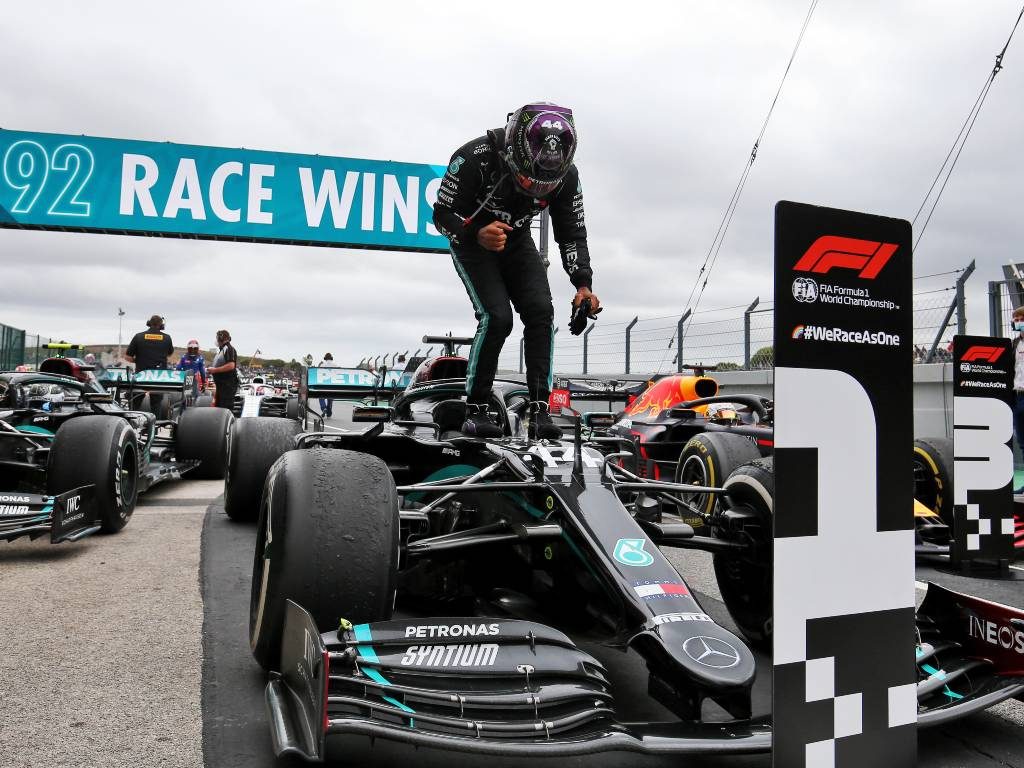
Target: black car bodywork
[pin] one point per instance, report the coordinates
(34, 409)
(509, 552)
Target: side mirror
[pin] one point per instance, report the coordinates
(378, 413)
(686, 414)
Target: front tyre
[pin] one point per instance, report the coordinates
(100, 451)
(745, 579)
(328, 539)
(707, 459)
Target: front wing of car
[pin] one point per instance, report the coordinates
(68, 516)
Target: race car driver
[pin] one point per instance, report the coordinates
(493, 188)
(193, 361)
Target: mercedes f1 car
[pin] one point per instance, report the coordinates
(506, 555)
(59, 435)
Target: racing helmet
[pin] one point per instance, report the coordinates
(540, 142)
(722, 413)
(192, 344)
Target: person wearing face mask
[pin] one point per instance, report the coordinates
(1018, 380)
(225, 377)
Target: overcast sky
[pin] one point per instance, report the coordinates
(668, 98)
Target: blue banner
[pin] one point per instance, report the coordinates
(80, 183)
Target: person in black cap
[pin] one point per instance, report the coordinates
(149, 350)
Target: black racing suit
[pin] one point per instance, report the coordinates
(475, 191)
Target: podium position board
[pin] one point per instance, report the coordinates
(845, 691)
(982, 452)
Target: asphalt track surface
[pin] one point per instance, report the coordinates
(131, 650)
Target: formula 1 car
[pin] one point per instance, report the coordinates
(59, 435)
(257, 397)
(510, 553)
(685, 429)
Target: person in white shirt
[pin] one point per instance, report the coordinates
(327, 406)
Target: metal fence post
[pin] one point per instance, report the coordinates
(522, 352)
(942, 329)
(746, 332)
(629, 330)
(961, 304)
(995, 308)
(586, 345)
(679, 339)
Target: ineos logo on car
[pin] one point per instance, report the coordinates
(711, 652)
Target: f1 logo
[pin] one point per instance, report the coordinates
(832, 251)
(987, 354)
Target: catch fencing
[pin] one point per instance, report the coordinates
(735, 337)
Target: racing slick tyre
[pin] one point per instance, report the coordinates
(745, 579)
(707, 459)
(203, 434)
(256, 443)
(102, 451)
(291, 408)
(327, 539)
(204, 401)
(933, 475)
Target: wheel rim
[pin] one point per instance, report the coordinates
(127, 480)
(693, 472)
(260, 573)
(926, 488)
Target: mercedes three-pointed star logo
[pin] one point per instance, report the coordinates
(711, 652)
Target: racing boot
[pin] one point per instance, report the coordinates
(541, 425)
(479, 422)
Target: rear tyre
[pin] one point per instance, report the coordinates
(745, 580)
(291, 408)
(327, 539)
(204, 401)
(933, 475)
(202, 434)
(101, 451)
(256, 443)
(708, 459)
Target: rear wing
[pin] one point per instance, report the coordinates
(581, 388)
(351, 383)
(162, 380)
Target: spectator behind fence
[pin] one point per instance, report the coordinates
(327, 406)
(225, 377)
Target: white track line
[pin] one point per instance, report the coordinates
(920, 585)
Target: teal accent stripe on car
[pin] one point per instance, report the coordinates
(933, 672)
(551, 360)
(31, 430)
(377, 677)
(481, 330)
(367, 653)
(362, 633)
